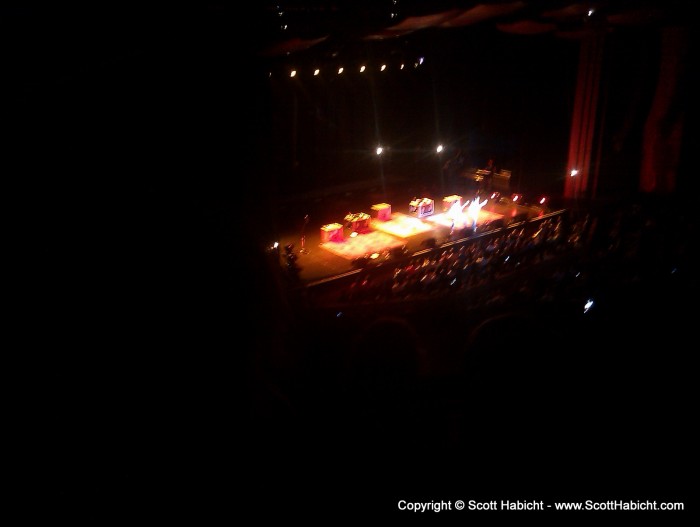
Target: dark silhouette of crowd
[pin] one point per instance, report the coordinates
(527, 349)
(467, 266)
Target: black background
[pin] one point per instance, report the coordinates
(132, 140)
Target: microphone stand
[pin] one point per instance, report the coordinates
(303, 249)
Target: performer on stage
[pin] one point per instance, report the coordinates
(457, 215)
(473, 210)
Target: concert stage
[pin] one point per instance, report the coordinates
(402, 225)
(372, 242)
(328, 257)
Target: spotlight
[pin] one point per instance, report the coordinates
(293, 73)
(543, 200)
(316, 71)
(340, 70)
(379, 150)
(516, 197)
(590, 12)
(401, 67)
(362, 69)
(588, 305)
(383, 67)
(439, 149)
(573, 172)
(420, 60)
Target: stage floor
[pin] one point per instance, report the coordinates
(319, 260)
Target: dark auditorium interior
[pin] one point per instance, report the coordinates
(312, 258)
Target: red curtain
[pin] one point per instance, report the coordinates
(664, 125)
(583, 124)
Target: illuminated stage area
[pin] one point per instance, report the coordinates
(337, 247)
(362, 244)
(463, 221)
(387, 235)
(402, 225)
